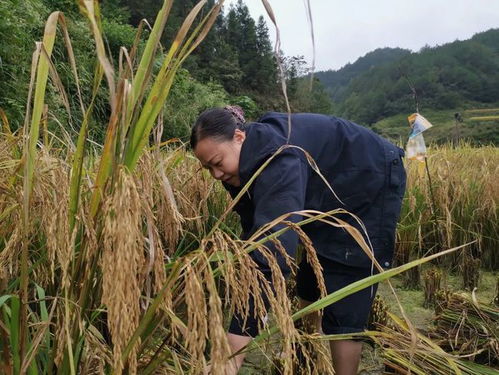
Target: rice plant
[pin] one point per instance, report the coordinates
(432, 284)
(465, 189)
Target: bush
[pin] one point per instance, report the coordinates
(188, 98)
(250, 108)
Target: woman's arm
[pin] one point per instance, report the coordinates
(279, 189)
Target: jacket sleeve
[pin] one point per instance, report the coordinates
(279, 189)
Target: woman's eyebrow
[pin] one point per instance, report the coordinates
(211, 160)
(207, 165)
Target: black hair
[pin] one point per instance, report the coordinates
(218, 123)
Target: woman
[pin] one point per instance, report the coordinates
(364, 170)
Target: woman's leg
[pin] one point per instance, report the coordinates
(346, 316)
(346, 356)
(345, 353)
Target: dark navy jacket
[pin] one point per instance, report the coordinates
(364, 170)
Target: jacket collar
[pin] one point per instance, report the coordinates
(262, 140)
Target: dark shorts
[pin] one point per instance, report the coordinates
(348, 315)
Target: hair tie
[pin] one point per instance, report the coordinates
(237, 112)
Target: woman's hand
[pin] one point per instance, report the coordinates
(236, 343)
(230, 369)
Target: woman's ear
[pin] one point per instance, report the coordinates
(239, 136)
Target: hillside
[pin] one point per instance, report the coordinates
(452, 77)
(336, 81)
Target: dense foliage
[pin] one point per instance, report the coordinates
(337, 81)
(235, 64)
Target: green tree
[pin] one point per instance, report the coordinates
(241, 35)
(265, 78)
(20, 25)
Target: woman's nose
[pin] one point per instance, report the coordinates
(216, 173)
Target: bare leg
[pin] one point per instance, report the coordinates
(346, 356)
(345, 353)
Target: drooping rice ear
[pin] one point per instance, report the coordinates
(281, 308)
(311, 256)
(51, 189)
(96, 355)
(220, 350)
(9, 263)
(197, 325)
(240, 273)
(169, 216)
(154, 275)
(122, 265)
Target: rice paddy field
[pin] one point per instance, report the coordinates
(125, 258)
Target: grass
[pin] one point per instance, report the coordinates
(413, 299)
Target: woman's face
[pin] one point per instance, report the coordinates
(221, 158)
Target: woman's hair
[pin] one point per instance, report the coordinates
(218, 123)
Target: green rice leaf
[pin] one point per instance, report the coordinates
(355, 287)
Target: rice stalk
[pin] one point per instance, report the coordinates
(101, 247)
(311, 256)
(220, 351)
(354, 287)
(432, 279)
(467, 328)
(96, 354)
(427, 357)
(5, 123)
(470, 268)
(496, 297)
(466, 205)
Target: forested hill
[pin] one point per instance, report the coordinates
(336, 81)
(455, 75)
